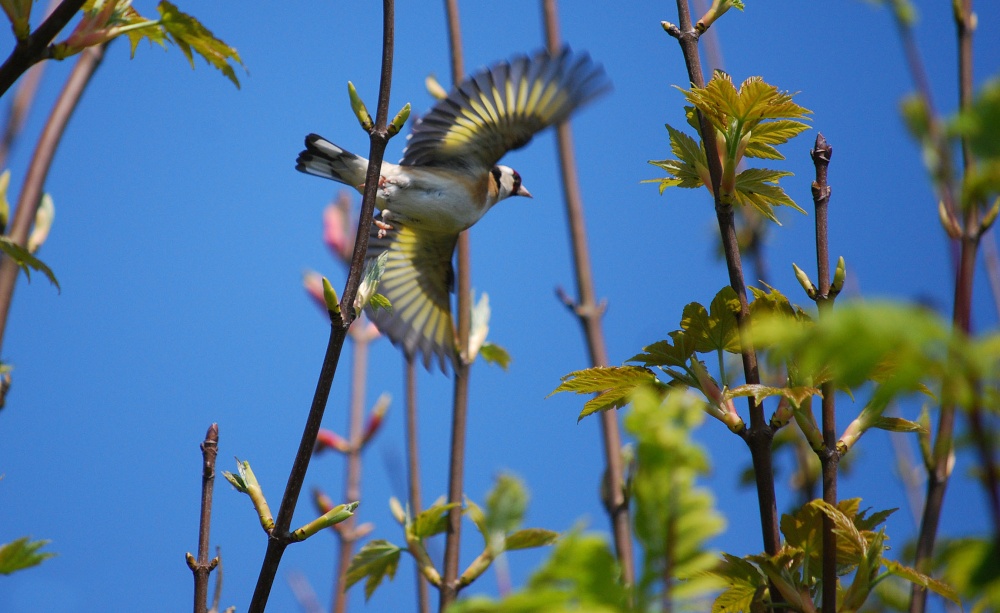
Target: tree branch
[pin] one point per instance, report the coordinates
(202, 567)
(829, 457)
(41, 161)
(413, 470)
(35, 48)
(352, 474)
(759, 436)
(339, 325)
(589, 314)
(456, 463)
(943, 448)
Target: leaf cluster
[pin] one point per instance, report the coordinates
(21, 554)
(499, 524)
(105, 20)
(748, 122)
(674, 519)
(796, 570)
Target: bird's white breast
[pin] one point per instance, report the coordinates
(436, 198)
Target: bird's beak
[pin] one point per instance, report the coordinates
(521, 191)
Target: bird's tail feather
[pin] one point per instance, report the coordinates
(324, 159)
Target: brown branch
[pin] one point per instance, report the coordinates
(413, 471)
(829, 457)
(23, 100)
(759, 435)
(41, 161)
(352, 476)
(202, 567)
(18, 111)
(279, 537)
(590, 314)
(35, 47)
(456, 464)
(943, 448)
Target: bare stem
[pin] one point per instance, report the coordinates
(590, 314)
(760, 435)
(339, 325)
(413, 471)
(940, 470)
(456, 464)
(35, 48)
(352, 476)
(41, 161)
(829, 456)
(202, 568)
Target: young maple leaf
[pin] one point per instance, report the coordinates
(748, 122)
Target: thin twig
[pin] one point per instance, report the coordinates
(23, 100)
(456, 462)
(202, 567)
(759, 435)
(413, 471)
(304, 593)
(829, 457)
(590, 315)
(943, 447)
(18, 110)
(35, 48)
(339, 325)
(41, 161)
(352, 474)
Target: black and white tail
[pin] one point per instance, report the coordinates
(324, 159)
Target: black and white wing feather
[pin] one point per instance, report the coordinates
(501, 108)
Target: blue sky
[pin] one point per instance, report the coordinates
(182, 231)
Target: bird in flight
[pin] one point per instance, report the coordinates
(448, 178)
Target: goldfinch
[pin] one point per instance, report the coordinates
(448, 179)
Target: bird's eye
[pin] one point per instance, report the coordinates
(517, 181)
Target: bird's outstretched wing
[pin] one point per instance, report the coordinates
(416, 281)
(500, 108)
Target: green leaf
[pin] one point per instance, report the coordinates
(612, 384)
(26, 261)
(715, 330)
(433, 520)
(745, 585)
(970, 566)
(495, 354)
(796, 395)
(758, 187)
(911, 575)
(981, 123)
(772, 133)
(530, 538)
(373, 562)
(475, 513)
(674, 518)
(667, 353)
(190, 35)
(21, 554)
(690, 170)
(505, 505)
(584, 567)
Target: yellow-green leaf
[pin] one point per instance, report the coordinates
(612, 384)
(375, 561)
(190, 35)
(911, 575)
(22, 553)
